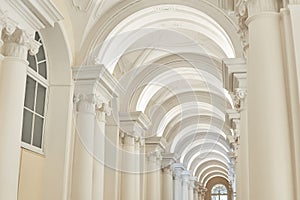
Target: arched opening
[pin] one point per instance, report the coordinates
(219, 192)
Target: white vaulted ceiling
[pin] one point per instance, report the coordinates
(168, 58)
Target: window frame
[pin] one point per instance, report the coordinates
(39, 79)
(218, 195)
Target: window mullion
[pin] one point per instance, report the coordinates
(34, 113)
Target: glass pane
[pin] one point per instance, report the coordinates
(219, 189)
(38, 131)
(40, 100)
(43, 69)
(41, 54)
(32, 61)
(223, 189)
(37, 36)
(30, 93)
(223, 197)
(27, 126)
(214, 197)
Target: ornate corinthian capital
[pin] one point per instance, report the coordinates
(16, 42)
(241, 11)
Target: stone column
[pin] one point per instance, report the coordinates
(167, 178)
(177, 181)
(202, 192)
(83, 147)
(128, 180)
(235, 82)
(94, 89)
(15, 44)
(153, 191)
(191, 187)
(98, 150)
(185, 185)
(196, 191)
(270, 165)
(167, 183)
(290, 16)
(133, 126)
(154, 148)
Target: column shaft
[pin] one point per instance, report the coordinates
(128, 179)
(269, 147)
(177, 191)
(12, 92)
(167, 184)
(82, 181)
(98, 165)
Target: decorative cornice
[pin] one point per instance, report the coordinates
(90, 87)
(100, 74)
(169, 159)
(235, 80)
(158, 142)
(232, 67)
(177, 169)
(38, 13)
(134, 123)
(257, 6)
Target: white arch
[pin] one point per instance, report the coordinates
(214, 176)
(208, 167)
(187, 106)
(172, 75)
(191, 130)
(207, 160)
(148, 18)
(200, 142)
(211, 173)
(206, 151)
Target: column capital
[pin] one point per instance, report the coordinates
(154, 156)
(257, 6)
(235, 80)
(294, 1)
(192, 182)
(95, 85)
(127, 139)
(134, 123)
(104, 84)
(169, 159)
(177, 169)
(16, 42)
(233, 117)
(186, 175)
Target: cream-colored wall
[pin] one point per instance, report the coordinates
(31, 177)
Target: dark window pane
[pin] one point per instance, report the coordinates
(40, 101)
(27, 126)
(32, 61)
(43, 69)
(30, 93)
(38, 131)
(37, 36)
(41, 54)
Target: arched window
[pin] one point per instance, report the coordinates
(219, 192)
(35, 99)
